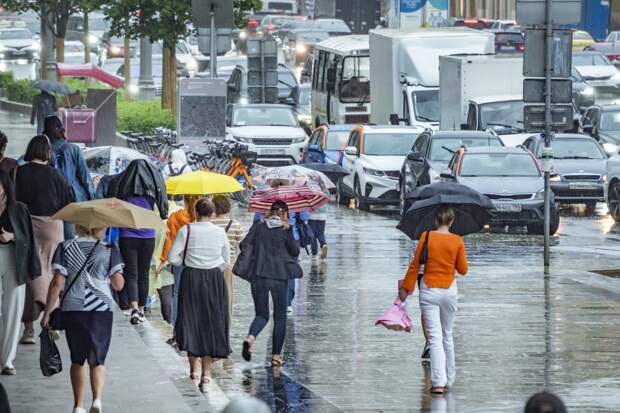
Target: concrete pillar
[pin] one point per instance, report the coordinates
(145, 81)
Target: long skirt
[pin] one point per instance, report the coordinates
(48, 233)
(202, 325)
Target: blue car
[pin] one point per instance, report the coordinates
(326, 143)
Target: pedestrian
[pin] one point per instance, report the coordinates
(68, 160)
(44, 191)
(178, 164)
(275, 262)
(545, 402)
(235, 236)
(19, 263)
(438, 293)
(175, 222)
(43, 105)
(86, 269)
(6, 164)
(140, 184)
(317, 221)
(302, 233)
(202, 327)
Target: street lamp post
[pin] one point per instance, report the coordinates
(145, 82)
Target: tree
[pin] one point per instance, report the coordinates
(241, 7)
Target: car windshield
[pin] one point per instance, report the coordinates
(304, 96)
(355, 79)
(508, 38)
(336, 140)
(333, 26)
(312, 36)
(590, 59)
(576, 149)
(263, 116)
(498, 164)
(15, 34)
(98, 25)
(426, 103)
(610, 121)
(439, 153)
(286, 78)
(502, 115)
(388, 144)
(581, 36)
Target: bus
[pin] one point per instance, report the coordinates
(341, 80)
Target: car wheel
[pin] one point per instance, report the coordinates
(360, 203)
(613, 200)
(590, 208)
(341, 197)
(539, 229)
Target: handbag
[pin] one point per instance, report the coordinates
(244, 265)
(55, 322)
(49, 356)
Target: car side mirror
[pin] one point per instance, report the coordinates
(394, 119)
(448, 176)
(464, 126)
(414, 156)
(351, 150)
(331, 80)
(589, 128)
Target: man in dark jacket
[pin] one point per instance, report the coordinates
(6, 164)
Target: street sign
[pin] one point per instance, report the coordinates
(223, 40)
(201, 110)
(223, 9)
(534, 90)
(262, 70)
(534, 117)
(562, 12)
(534, 54)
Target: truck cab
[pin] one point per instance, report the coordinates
(420, 105)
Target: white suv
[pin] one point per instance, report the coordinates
(373, 158)
(270, 130)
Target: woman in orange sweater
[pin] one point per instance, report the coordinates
(438, 294)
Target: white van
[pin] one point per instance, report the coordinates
(280, 7)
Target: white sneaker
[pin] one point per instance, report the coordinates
(289, 310)
(96, 407)
(28, 337)
(79, 410)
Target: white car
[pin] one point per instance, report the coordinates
(270, 130)
(373, 158)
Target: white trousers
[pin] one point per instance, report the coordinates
(12, 299)
(438, 307)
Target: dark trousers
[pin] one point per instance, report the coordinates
(318, 228)
(137, 254)
(261, 288)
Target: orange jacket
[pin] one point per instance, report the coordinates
(176, 221)
(446, 254)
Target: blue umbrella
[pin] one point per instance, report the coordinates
(52, 86)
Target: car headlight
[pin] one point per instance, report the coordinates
(305, 118)
(133, 89)
(434, 175)
(373, 172)
(299, 139)
(243, 35)
(301, 48)
(2, 48)
(191, 65)
(244, 101)
(555, 178)
(610, 148)
(539, 195)
(115, 49)
(589, 91)
(604, 178)
(92, 40)
(242, 139)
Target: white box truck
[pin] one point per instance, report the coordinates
(404, 71)
(480, 92)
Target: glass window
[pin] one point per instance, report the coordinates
(590, 59)
(609, 121)
(15, 34)
(312, 36)
(99, 25)
(263, 116)
(336, 140)
(576, 149)
(387, 144)
(355, 79)
(502, 115)
(426, 103)
(439, 145)
(280, 5)
(420, 143)
(498, 164)
(322, 68)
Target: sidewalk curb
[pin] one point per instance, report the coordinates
(16, 107)
(591, 279)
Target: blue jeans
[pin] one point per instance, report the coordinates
(318, 228)
(290, 295)
(261, 288)
(176, 272)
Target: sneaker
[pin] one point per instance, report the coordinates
(96, 407)
(28, 337)
(79, 410)
(426, 353)
(136, 317)
(9, 371)
(324, 252)
(289, 310)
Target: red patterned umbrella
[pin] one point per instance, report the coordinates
(298, 198)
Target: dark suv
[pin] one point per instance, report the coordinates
(512, 179)
(579, 163)
(430, 155)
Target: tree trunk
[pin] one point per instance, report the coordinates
(173, 81)
(60, 50)
(165, 87)
(126, 67)
(86, 41)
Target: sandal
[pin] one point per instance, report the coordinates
(246, 353)
(204, 382)
(439, 390)
(277, 362)
(195, 378)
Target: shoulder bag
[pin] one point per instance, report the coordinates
(55, 322)
(244, 265)
(189, 227)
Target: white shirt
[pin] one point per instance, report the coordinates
(208, 247)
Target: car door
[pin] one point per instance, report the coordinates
(419, 167)
(348, 161)
(313, 151)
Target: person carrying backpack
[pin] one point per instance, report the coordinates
(177, 166)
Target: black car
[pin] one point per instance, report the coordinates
(430, 155)
(512, 179)
(579, 163)
(582, 93)
(509, 42)
(602, 122)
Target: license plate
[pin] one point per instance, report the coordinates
(507, 48)
(508, 207)
(582, 185)
(18, 53)
(272, 152)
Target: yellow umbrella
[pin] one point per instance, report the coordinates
(110, 212)
(202, 183)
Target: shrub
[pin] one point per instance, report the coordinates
(142, 116)
(5, 79)
(21, 91)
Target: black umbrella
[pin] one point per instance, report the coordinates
(472, 210)
(52, 86)
(333, 171)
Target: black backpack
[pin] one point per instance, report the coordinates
(175, 172)
(305, 232)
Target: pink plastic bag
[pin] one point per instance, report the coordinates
(396, 318)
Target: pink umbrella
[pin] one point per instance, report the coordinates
(89, 70)
(395, 318)
(298, 198)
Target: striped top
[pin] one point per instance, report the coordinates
(91, 292)
(235, 234)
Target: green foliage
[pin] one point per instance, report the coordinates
(21, 91)
(142, 116)
(5, 79)
(241, 7)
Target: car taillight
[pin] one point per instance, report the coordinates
(470, 21)
(613, 57)
(253, 22)
(521, 47)
(270, 26)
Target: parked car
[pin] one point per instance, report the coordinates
(509, 42)
(578, 174)
(326, 144)
(582, 39)
(602, 122)
(430, 154)
(512, 179)
(270, 130)
(298, 44)
(372, 158)
(18, 44)
(611, 50)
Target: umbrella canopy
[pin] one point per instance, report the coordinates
(52, 86)
(333, 171)
(110, 160)
(298, 198)
(292, 175)
(110, 212)
(202, 183)
(472, 209)
(90, 70)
